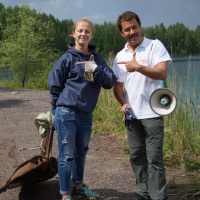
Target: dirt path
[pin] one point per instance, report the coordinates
(108, 171)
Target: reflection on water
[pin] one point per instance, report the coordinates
(185, 71)
(5, 74)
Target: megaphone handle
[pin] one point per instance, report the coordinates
(165, 84)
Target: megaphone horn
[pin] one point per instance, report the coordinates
(163, 101)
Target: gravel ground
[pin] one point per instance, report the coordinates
(107, 172)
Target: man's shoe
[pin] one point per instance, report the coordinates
(84, 191)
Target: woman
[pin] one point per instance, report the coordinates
(75, 83)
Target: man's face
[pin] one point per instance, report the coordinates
(131, 31)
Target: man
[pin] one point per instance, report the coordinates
(141, 68)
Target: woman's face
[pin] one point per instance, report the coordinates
(83, 34)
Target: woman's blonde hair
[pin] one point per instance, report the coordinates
(83, 20)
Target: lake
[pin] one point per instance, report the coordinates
(5, 74)
(185, 71)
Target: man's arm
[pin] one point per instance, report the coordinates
(159, 72)
(119, 95)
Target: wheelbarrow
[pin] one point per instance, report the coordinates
(37, 169)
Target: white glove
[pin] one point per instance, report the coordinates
(90, 66)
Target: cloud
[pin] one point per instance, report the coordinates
(79, 4)
(57, 3)
(97, 16)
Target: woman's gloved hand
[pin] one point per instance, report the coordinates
(90, 66)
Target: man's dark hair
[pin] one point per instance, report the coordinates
(127, 16)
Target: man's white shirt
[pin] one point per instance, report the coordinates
(138, 88)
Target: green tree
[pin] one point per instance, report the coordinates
(197, 31)
(176, 37)
(2, 19)
(24, 47)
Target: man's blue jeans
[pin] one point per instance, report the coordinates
(145, 138)
(73, 130)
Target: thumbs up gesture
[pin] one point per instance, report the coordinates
(90, 66)
(132, 65)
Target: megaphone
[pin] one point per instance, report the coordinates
(163, 101)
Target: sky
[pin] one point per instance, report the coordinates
(151, 12)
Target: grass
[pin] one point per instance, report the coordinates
(107, 116)
(182, 128)
(182, 137)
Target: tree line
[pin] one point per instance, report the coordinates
(30, 42)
